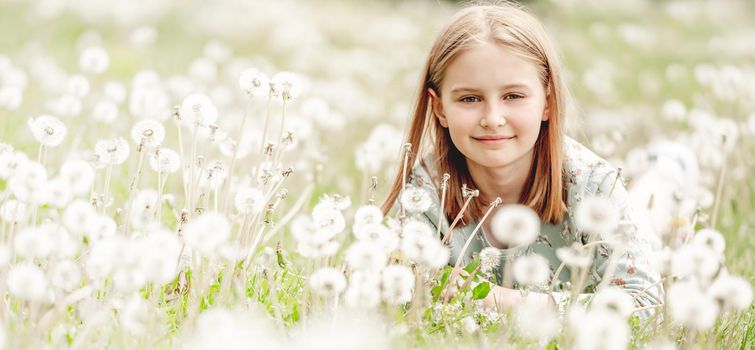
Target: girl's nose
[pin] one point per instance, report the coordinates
(494, 116)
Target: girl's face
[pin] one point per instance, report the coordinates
(492, 103)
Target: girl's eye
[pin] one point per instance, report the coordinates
(469, 99)
(513, 96)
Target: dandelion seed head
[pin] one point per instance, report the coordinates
(696, 261)
(490, 258)
(48, 130)
(287, 85)
(378, 234)
(363, 290)
(78, 215)
(114, 91)
(415, 199)
(732, 293)
(11, 98)
(148, 132)
(160, 250)
(10, 161)
(254, 83)
(198, 109)
(27, 180)
(613, 299)
(366, 256)
(515, 225)
(149, 102)
(710, 239)
(105, 112)
(574, 256)
(602, 330)
(531, 270)
(397, 284)
(690, 307)
(165, 160)
(78, 85)
(249, 200)
(77, 175)
(368, 214)
(134, 315)
(597, 216)
(13, 211)
(66, 275)
(112, 151)
(206, 232)
(26, 281)
(94, 60)
(469, 325)
(56, 193)
(327, 282)
(535, 319)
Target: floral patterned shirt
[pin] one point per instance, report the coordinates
(586, 175)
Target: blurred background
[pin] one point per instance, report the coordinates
(641, 71)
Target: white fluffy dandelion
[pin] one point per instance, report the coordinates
(695, 260)
(287, 85)
(165, 160)
(94, 60)
(48, 130)
(535, 319)
(368, 214)
(199, 109)
(148, 132)
(249, 200)
(515, 225)
(327, 282)
(602, 330)
(379, 235)
(366, 256)
(397, 284)
(531, 270)
(111, 151)
(254, 83)
(574, 256)
(13, 211)
(206, 232)
(490, 258)
(711, 239)
(613, 299)
(691, 307)
(597, 216)
(78, 176)
(28, 282)
(415, 199)
(66, 275)
(731, 292)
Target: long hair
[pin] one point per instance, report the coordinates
(511, 26)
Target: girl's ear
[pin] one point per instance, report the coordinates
(547, 109)
(437, 107)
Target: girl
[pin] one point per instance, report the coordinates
(490, 113)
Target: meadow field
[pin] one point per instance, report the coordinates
(206, 174)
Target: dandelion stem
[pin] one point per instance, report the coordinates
(719, 193)
(443, 189)
(227, 191)
(134, 183)
(267, 119)
(615, 180)
(279, 149)
(106, 190)
(407, 150)
(492, 206)
(447, 237)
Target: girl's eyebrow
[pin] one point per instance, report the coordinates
(503, 87)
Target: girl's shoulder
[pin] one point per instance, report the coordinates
(585, 172)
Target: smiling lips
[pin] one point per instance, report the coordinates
(492, 138)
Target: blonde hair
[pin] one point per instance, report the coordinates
(511, 26)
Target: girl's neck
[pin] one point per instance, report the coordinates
(506, 182)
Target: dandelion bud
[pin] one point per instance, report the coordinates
(112, 151)
(94, 60)
(254, 83)
(286, 85)
(198, 109)
(148, 132)
(47, 130)
(515, 225)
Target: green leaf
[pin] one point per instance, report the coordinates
(481, 291)
(443, 282)
(472, 266)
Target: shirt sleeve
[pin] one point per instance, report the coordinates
(631, 263)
